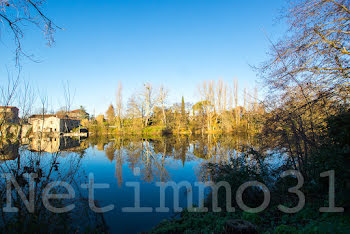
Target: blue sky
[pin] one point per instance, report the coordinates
(177, 43)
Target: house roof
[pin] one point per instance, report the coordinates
(40, 116)
(48, 116)
(8, 107)
(75, 111)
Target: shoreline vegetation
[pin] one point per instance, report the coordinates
(305, 115)
(146, 113)
(332, 155)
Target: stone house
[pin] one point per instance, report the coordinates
(9, 114)
(52, 124)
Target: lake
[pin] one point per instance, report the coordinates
(123, 165)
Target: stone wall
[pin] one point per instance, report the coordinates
(9, 114)
(15, 131)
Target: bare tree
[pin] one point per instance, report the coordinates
(235, 94)
(17, 14)
(134, 113)
(163, 94)
(119, 106)
(43, 112)
(207, 92)
(148, 101)
(315, 51)
(221, 98)
(9, 90)
(308, 73)
(26, 100)
(8, 93)
(68, 96)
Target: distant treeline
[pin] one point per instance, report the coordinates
(221, 110)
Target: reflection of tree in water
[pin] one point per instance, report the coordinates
(99, 141)
(152, 164)
(114, 151)
(221, 150)
(181, 147)
(205, 147)
(110, 151)
(8, 150)
(48, 167)
(119, 160)
(133, 150)
(138, 152)
(153, 156)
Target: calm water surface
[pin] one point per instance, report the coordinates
(115, 162)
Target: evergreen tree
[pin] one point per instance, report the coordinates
(110, 114)
(183, 111)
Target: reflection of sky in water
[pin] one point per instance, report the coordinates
(104, 172)
(182, 162)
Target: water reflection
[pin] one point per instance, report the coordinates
(113, 161)
(154, 156)
(9, 151)
(46, 165)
